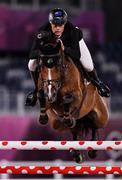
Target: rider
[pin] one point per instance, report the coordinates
(72, 44)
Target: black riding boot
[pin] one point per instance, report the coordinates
(102, 88)
(32, 96)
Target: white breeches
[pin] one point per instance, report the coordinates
(85, 59)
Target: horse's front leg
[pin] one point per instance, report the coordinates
(67, 119)
(93, 153)
(43, 118)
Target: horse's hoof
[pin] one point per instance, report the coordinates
(77, 156)
(43, 119)
(69, 123)
(92, 154)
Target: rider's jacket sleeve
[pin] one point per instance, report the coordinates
(73, 50)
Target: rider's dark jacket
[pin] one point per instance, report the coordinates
(70, 38)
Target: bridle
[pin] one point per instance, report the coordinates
(50, 61)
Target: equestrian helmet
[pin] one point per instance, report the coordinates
(58, 16)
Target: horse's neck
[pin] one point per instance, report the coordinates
(71, 72)
(76, 69)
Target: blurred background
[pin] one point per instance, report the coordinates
(100, 21)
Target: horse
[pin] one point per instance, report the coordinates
(67, 98)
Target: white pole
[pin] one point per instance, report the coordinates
(61, 145)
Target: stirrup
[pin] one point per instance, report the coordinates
(31, 99)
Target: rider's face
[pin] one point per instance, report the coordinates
(57, 30)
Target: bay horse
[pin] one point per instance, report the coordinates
(68, 100)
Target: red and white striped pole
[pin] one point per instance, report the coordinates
(61, 145)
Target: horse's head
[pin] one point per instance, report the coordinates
(50, 63)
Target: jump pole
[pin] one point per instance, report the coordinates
(61, 145)
(60, 170)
